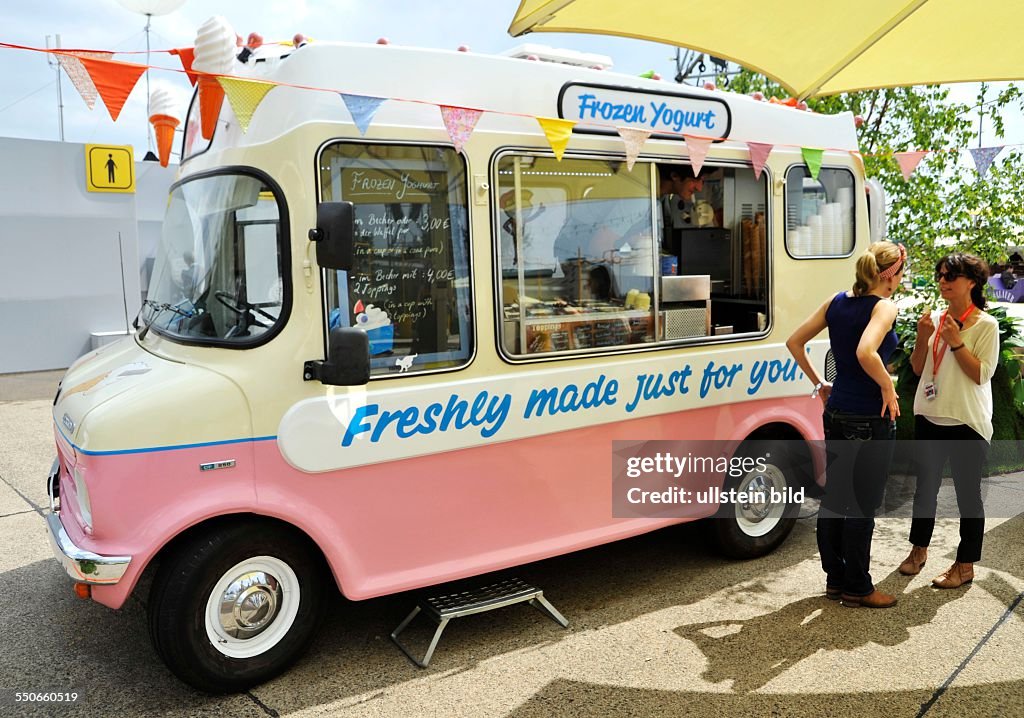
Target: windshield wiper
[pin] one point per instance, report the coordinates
(160, 309)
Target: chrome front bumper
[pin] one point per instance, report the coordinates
(81, 565)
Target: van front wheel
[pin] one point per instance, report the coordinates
(236, 607)
(756, 524)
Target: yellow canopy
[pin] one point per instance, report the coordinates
(814, 47)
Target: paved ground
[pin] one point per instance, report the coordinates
(659, 626)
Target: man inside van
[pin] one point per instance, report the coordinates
(678, 185)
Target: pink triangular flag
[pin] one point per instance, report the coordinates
(459, 121)
(78, 75)
(634, 140)
(759, 152)
(698, 147)
(908, 162)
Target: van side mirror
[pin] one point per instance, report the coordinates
(334, 235)
(348, 359)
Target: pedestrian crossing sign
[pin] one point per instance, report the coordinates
(109, 168)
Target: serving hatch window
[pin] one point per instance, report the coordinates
(594, 256)
(410, 286)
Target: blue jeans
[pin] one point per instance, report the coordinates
(859, 451)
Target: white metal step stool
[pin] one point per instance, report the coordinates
(442, 609)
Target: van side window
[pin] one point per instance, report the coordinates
(593, 256)
(819, 212)
(410, 288)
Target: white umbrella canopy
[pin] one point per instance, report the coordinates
(814, 47)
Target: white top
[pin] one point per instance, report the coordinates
(958, 399)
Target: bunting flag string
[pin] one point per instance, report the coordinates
(908, 162)
(362, 108)
(759, 152)
(114, 81)
(983, 157)
(96, 74)
(813, 156)
(698, 148)
(459, 121)
(78, 75)
(634, 140)
(245, 96)
(557, 132)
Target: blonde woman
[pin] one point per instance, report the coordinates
(955, 355)
(861, 407)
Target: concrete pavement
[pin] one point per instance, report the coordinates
(658, 626)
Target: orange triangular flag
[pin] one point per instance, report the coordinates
(698, 147)
(908, 162)
(245, 96)
(759, 152)
(78, 76)
(634, 140)
(114, 81)
(187, 55)
(558, 133)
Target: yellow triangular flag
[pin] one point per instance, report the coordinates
(245, 96)
(558, 133)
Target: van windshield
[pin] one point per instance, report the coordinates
(217, 277)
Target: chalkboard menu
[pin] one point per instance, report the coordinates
(411, 248)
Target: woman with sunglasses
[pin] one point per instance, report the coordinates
(861, 407)
(955, 355)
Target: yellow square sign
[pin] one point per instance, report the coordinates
(109, 168)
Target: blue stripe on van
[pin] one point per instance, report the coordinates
(153, 449)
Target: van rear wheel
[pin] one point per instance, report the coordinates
(236, 607)
(758, 525)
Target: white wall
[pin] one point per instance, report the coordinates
(62, 250)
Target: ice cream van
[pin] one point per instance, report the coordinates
(370, 361)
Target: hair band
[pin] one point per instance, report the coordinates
(892, 270)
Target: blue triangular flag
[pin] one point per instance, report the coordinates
(362, 108)
(983, 157)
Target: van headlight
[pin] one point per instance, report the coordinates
(82, 494)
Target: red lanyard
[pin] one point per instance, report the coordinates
(937, 356)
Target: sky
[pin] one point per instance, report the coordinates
(28, 84)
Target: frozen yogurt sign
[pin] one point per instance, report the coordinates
(601, 108)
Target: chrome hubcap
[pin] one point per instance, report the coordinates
(760, 486)
(250, 604)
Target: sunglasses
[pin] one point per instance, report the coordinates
(949, 276)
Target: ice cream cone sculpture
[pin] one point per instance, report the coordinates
(162, 116)
(163, 127)
(211, 97)
(214, 55)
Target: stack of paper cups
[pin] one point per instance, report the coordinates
(815, 230)
(799, 242)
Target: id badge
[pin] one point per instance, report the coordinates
(930, 392)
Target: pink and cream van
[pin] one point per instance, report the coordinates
(370, 362)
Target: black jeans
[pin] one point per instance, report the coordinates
(859, 451)
(966, 450)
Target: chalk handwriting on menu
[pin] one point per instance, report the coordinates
(366, 183)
